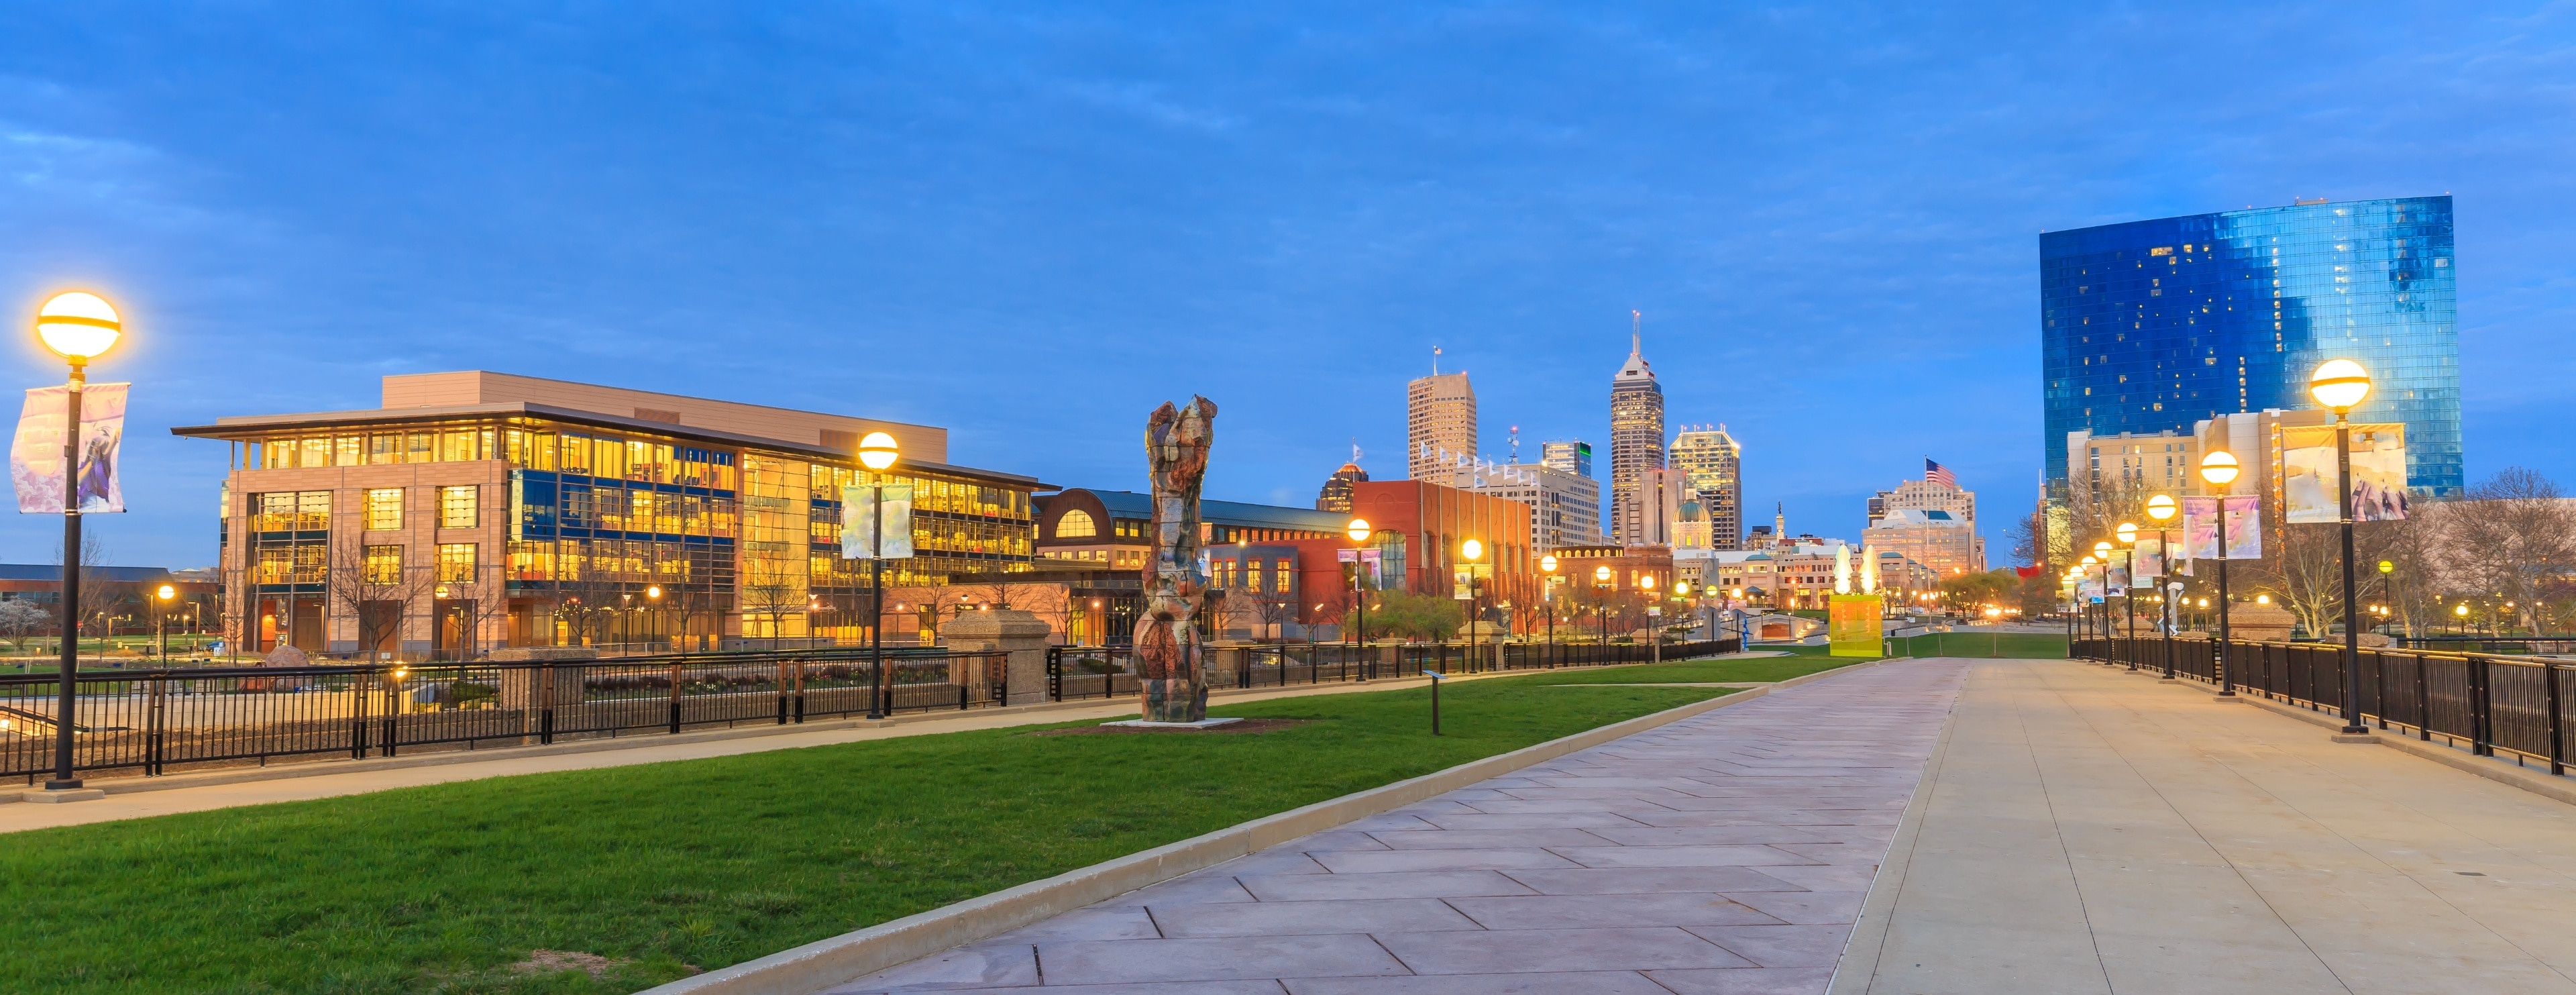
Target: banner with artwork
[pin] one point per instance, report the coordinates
(1369, 565)
(36, 454)
(858, 505)
(2310, 481)
(2244, 528)
(2115, 580)
(2151, 556)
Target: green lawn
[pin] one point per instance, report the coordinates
(702, 863)
(1778, 668)
(2014, 645)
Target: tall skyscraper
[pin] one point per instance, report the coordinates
(1567, 457)
(1440, 422)
(1712, 463)
(1636, 439)
(2153, 325)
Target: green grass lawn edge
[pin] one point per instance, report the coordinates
(674, 867)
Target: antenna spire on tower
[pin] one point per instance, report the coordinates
(1435, 361)
(1636, 326)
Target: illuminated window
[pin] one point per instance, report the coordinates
(457, 507)
(383, 565)
(456, 562)
(1076, 524)
(384, 508)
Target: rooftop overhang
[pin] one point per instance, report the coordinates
(252, 428)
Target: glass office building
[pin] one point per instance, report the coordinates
(2153, 325)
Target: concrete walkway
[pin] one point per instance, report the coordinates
(1727, 853)
(2086, 830)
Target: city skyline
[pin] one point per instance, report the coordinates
(287, 206)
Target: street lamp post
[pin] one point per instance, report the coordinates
(79, 327)
(2102, 552)
(1471, 551)
(2218, 468)
(2340, 384)
(2160, 508)
(877, 452)
(161, 618)
(1547, 596)
(1359, 533)
(2128, 533)
(1600, 605)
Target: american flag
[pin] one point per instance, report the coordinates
(1939, 474)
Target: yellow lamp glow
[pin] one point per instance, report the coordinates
(2461, 611)
(167, 592)
(2387, 567)
(2127, 532)
(2218, 467)
(2160, 507)
(654, 592)
(1547, 563)
(1681, 588)
(2262, 599)
(78, 325)
(1472, 550)
(2103, 549)
(1359, 530)
(1602, 574)
(877, 451)
(2339, 384)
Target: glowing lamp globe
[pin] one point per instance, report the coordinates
(2339, 384)
(877, 451)
(2160, 507)
(1601, 574)
(2103, 549)
(1547, 563)
(2218, 467)
(78, 325)
(167, 592)
(2127, 532)
(1359, 530)
(1472, 550)
(1681, 588)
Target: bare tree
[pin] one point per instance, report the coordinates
(487, 600)
(380, 596)
(1277, 610)
(771, 591)
(99, 596)
(2512, 535)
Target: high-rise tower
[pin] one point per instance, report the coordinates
(2151, 326)
(1636, 434)
(1440, 422)
(1712, 464)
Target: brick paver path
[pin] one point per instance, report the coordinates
(1725, 853)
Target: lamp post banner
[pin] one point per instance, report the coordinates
(2244, 528)
(2308, 478)
(856, 502)
(2151, 556)
(36, 454)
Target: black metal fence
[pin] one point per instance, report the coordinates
(2511, 705)
(1078, 672)
(146, 721)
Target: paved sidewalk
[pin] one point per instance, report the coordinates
(2086, 830)
(1727, 853)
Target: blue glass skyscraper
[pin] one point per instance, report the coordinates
(2152, 325)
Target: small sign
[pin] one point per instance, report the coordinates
(859, 527)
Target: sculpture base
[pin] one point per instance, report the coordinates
(1200, 724)
(1173, 701)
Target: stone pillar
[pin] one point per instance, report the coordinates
(1005, 630)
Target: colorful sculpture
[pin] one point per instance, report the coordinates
(1167, 642)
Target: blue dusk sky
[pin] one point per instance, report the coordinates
(1030, 224)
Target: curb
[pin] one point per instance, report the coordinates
(823, 963)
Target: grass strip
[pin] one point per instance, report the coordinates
(668, 868)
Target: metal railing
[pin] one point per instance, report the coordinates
(148, 720)
(1078, 672)
(2495, 705)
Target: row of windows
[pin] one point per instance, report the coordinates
(380, 565)
(621, 561)
(1248, 575)
(571, 452)
(956, 497)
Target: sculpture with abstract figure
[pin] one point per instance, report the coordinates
(1167, 640)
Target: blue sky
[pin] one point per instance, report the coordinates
(1031, 224)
